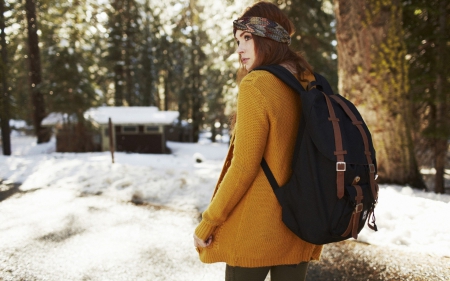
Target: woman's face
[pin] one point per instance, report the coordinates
(246, 48)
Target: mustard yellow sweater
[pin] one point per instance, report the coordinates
(244, 215)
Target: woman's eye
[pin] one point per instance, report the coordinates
(247, 37)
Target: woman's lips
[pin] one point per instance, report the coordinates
(244, 61)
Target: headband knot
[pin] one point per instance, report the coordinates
(263, 27)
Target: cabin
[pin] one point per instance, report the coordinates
(137, 129)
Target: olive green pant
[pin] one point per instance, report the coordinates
(277, 273)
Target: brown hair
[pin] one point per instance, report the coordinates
(269, 51)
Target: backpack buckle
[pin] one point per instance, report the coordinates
(372, 168)
(341, 166)
(359, 208)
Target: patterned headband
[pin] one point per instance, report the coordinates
(263, 27)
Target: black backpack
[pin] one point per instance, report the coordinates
(332, 190)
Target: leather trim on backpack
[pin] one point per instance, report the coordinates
(358, 124)
(339, 152)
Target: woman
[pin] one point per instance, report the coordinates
(242, 225)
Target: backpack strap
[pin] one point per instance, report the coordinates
(314, 85)
(289, 79)
(358, 124)
(341, 166)
(269, 175)
(284, 75)
(372, 226)
(323, 86)
(354, 221)
(326, 87)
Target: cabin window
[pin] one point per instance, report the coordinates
(96, 139)
(129, 129)
(152, 129)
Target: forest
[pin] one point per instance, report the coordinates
(390, 58)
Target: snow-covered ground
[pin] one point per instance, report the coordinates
(177, 180)
(64, 187)
(54, 234)
(73, 220)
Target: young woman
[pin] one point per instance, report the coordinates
(242, 225)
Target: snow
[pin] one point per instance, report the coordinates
(411, 219)
(119, 115)
(177, 180)
(57, 235)
(73, 219)
(131, 115)
(55, 118)
(82, 201)
(22, 144)
(17, 124)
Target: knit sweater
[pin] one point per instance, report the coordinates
(244, 216)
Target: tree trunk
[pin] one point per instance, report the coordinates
(4, 96)
(118, 83)
(196, 96)
(195, 91)
(129, 94)
(442, 134)
(37, 98)
(373, 75)
(129, 77)
(440, 153)
(213, 131)
(148, 65)
(116, 36)
(167, 80)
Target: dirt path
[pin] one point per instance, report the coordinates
(350, 261)
(8, 189)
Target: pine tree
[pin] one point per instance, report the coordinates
(18, 66)
(69, 54)
(34, 59)
(315, 35)
(427, 25)
(150, 51)
(124, 40)
(4, 92)
(191, 93)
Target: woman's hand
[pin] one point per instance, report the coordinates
(200, 243)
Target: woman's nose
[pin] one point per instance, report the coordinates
(240, 49)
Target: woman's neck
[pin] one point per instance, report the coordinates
(291, 67)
